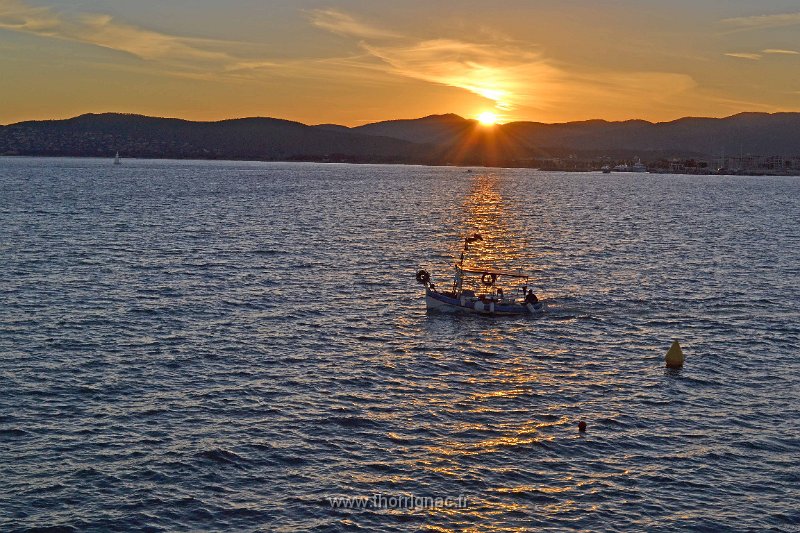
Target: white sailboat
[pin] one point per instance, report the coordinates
(116, 159)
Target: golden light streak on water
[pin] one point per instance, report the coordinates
(489, 213)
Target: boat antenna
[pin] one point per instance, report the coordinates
(467, 241)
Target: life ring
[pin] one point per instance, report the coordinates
(423, 277)
(488, 279)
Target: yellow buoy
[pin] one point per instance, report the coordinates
(675, 357)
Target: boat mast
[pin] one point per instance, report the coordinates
(459, 281)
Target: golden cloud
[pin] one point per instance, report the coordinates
(745, 55)
(779, 51)
(337, 22)
(762, 21)
(508, 73)
(102, 30)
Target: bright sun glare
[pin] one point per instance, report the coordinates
(487, 118)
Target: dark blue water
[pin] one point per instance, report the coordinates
(227, 346)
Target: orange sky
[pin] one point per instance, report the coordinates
(352, 62)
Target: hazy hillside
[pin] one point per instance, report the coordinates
(139, 136)
(749, 133)
(433, 129)
(753, 133)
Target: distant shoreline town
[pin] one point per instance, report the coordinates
(755, 143)
(745, 165)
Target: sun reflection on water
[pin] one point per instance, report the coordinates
(493, 413)
(488, 213)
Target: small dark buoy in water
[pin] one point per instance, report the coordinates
(675, 357)
(582, 426)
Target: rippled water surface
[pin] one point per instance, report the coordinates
(228, 346)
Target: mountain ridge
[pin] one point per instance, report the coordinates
(433, 139)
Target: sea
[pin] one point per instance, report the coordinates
(243, 346)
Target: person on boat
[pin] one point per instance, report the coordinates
(531, 298)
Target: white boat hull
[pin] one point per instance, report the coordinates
(435, 301)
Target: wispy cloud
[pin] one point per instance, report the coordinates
(501, 74)
(18, 16)
(103, 31)
(779, 51)
(492, 71)
(508, 73)
(755, 56)
(745, 55)
(337, 22)
(762, 21)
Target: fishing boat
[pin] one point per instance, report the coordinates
(490, 299)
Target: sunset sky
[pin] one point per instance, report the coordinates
(357, 61)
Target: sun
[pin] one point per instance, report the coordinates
(487, 118)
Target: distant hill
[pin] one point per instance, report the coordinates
(436, 139)
(755, 133)
(748, 133)
(433, 129)
(247, 138)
